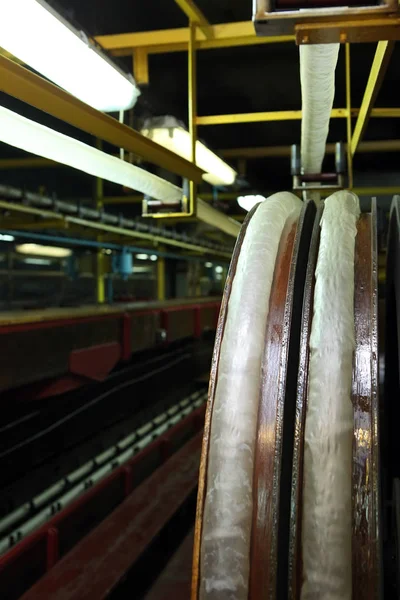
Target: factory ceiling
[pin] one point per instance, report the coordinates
(230, 80)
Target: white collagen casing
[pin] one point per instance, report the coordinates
(225, 545)
(317, 76)
(327, 483)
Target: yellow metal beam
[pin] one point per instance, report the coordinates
(284, 151)
(376, 191)
(348, 120)
(195, 15)
(137, 199)
(385, 113)
(141, 66)
(225, 35)
(192, 108)
(258, 117)
(26, 163)
(380, 63)
(161, 278)
(33, 225)
(100, 258)
(36, 91)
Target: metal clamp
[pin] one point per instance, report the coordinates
(304, 182)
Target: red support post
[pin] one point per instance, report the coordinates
(52, 548)
(197, 321)
(128, 483)
(126, 337)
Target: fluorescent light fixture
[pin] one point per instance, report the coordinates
(153, 257)
(142, 256)
(37, 35)
(38, 250)
(141, 269)
(219, 269)
(37, 261)
(35, 138)
(247, 202)
(208, 265)
(177, 139)
(5, 237)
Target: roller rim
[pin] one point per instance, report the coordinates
(390, 436)
(201, 494)
(294, 571)
(366, 551)
(273, 461)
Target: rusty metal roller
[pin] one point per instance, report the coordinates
(255, 474)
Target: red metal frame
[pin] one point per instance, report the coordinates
(46, 542)
(96, 566)
(95, 362)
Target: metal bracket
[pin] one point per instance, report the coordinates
(159, 209)
(320, 182)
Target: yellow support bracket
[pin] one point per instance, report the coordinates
(224, 35)
(258, 117)
(377, 73)
(141, 66)
(195, 15)
(34, 225)
(348, 120)
(161, 277)
(192, 105)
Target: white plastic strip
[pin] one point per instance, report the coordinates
(327, 487)
(40, 140)
(37, 139)
(317, 76)
(225, 548)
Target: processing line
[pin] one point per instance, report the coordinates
(298, 461)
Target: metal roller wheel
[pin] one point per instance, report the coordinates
(276, 555)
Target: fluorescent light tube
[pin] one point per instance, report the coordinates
(177, 139)
(247, 202)
(38, 250)
(35, 34)
(5, 237)
(37, 261)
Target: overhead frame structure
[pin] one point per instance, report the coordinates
(228, 35)
(195, 16)
(381, 61)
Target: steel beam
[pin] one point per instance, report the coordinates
(192, 108)
(161, 278)
(284, 151)
(225, 35)
(27, 163)
(258, 117)
(36, 91)
(195, 15)
(380, 63)
(141, 66)
(348, 120)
